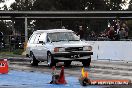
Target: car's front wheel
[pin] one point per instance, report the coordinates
(86, 63)
(33, 60)
(50, 60)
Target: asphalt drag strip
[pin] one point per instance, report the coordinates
(97, 70)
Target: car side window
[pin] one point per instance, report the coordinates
(48, 40)
(42, 37)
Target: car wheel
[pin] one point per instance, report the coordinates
(67, 63)
(50, 60)
(86, 63)
(33, 61)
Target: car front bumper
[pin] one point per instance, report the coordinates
(74, 55)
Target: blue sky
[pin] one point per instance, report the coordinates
(8, 3)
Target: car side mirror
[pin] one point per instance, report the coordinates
(41, 42)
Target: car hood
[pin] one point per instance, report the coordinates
(70, 44)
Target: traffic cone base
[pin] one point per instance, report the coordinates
(84, 80)
(54, 79)
(58, 79)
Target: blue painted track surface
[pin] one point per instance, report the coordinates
(20, 79)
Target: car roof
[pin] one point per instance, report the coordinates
(52, 31)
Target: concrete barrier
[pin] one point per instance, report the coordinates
(112, 50)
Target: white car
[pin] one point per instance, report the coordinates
(58, 45)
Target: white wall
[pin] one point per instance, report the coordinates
(112, 50)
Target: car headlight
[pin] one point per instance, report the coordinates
(59, 49)
(87, 48)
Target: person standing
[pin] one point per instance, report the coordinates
(81, 32)
(126, 29)
(111, 33)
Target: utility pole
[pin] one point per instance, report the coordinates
(26, 30)
(26, 34)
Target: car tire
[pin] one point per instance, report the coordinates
(86, 63)
(50, 60)
(67, 63)
(33, 61)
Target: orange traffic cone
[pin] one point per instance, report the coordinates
(61, 79)
(3, 66)
(83, 79)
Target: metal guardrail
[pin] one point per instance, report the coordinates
(65, 14)
(11, 43)
(105, 39)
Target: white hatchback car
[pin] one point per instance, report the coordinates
(58, 45)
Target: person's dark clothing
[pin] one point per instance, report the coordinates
(111, 34)
(81, 33)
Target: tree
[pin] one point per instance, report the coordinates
(130, 6)
(68, 5)
(115, 4)
(43, 5)
(93, 5)
(1, 1)
(3, 27)
(22, 5)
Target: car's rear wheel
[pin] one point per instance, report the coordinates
(50, 60)
(33, 61)
(86, 63)
(67, 63)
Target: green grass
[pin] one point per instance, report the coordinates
(4, 54)
(18, 51)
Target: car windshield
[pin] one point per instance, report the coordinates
(63, 36)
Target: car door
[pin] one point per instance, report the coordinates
(35, 46)
(41, 47)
